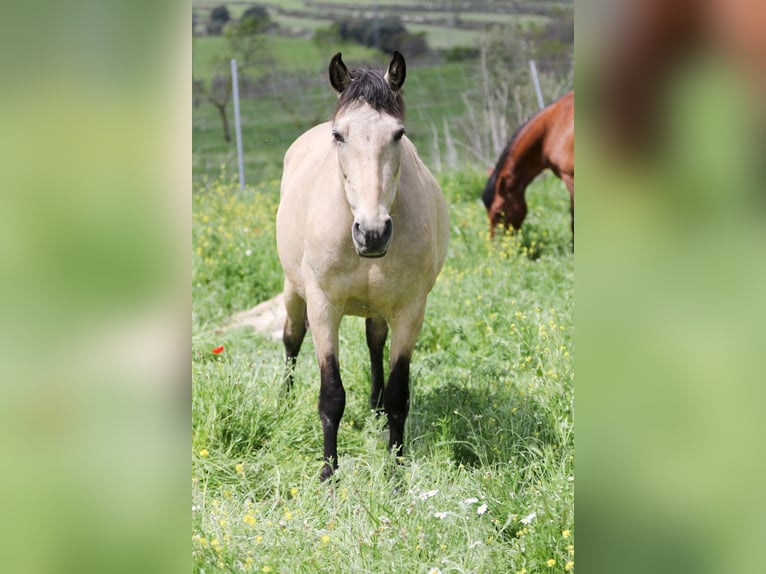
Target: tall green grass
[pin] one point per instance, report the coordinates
(487, 482)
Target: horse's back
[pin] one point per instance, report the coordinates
(560, 137)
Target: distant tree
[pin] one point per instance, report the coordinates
(219, 16)
(256, 19)
(386, 34)
(245, 41)
(218, 93)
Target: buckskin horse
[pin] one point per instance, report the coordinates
(362, 229)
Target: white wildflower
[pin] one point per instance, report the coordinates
(248, 252)
(434, 571)
(470, 500)
(428, 494)
(482, 509)
(529, 518)
(440, 515)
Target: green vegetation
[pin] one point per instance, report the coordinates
(487, 481)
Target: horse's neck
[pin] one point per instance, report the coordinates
(525, 158)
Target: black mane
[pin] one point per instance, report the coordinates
(489, 189)
(370, 86)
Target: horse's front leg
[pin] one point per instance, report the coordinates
(376, 331)
(325, 322)
(396, 397)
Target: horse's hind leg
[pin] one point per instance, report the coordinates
(295, 329)
(377, 331)
(569, 182)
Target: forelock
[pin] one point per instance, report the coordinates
(371, 87)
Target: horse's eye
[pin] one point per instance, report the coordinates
(338, 136)
(399, 135)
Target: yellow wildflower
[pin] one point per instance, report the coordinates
(204, 453)
(294, 492)
(569, 566)
(325, 539)
(551, 563)
(249, 519)
(565, 533)
(267, 568)
(240, 468)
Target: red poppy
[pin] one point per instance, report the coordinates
(218, 350)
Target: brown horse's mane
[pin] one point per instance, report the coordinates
(489, 190)
(370, 86)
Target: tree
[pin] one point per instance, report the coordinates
(256, 19)
(245, 40)
(218, 93)
(219, 16)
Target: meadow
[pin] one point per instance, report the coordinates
(487, 482)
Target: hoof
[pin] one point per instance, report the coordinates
(327, 472)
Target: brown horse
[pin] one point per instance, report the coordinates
(544, 142)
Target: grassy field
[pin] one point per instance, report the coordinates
(487, 484)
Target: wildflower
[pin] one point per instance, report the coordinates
(470, 500)
(529, 518)
(249, 519)
(565, 533)
(240, 468)
(204, 453)
(482, 509)
(248, 252)
(569, 566)
(428, 494)
(325, 539)
(440, 515)
(267, 568)
(522, 571)
(217, 350)
(551, 563)
(434, 571)
(294, 492)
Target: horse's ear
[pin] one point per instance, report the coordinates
(339, 76)
(397, 71)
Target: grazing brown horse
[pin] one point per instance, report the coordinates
(362, 229)
(544, 142)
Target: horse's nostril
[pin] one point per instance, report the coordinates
(388, 228)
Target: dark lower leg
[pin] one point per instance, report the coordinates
(396, 399)
(332, 402)
(293, 339)
(376, 330)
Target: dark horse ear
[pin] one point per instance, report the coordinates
(397, 71)
(339, 76)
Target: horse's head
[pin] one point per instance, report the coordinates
(368, 127)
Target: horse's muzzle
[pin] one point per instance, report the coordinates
(372, 242)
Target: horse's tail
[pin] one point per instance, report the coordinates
(489, 190)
